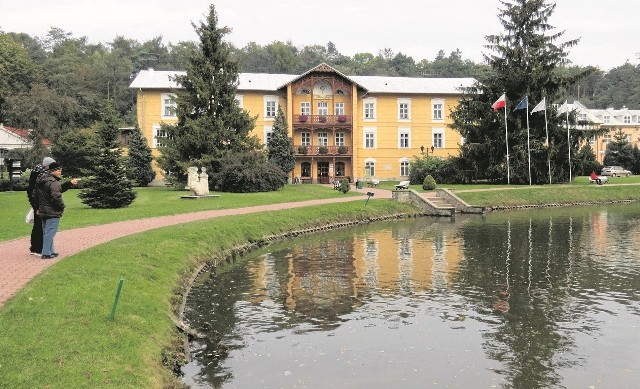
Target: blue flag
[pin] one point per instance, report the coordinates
(523, 104)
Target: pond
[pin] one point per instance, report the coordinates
(541, 298)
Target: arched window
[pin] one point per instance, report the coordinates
(340, 169)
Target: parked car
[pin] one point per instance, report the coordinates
(615, 171)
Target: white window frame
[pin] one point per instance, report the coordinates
(404, 109)
(323, 138)
(607, 139)
(437, 138)
(158, 132)
(340, 136)
(240, 100)
(268, 133)
(370, 163)
(404, 136)
(606, 119)
(592, 140)
(305, 138)
(270, 103)
(626, 119)
(339, 109)
(437, 109)
(323, 108)
(369, 137)
(305, 108)
(369, 109)
(405, 164)
(171, 105)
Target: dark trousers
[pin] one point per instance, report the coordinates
(36, 235)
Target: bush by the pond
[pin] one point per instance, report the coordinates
(429, 183)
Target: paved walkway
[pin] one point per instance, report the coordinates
(18, 267)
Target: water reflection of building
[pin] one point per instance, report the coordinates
(325, 280)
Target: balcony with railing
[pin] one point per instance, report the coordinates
(322, 120)
(315, 150)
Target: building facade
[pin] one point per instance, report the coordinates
(611, 120)
(353, 127)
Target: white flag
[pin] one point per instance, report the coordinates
(541, 106)
(564, 107)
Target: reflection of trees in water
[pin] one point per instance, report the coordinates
(528, 275)
(533, 271)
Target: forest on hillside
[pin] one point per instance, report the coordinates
(60, 82)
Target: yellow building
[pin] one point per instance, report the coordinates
(353, 127)
(610, 119)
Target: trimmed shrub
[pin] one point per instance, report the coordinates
(429, 183)
(344, 186)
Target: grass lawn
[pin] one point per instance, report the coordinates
(150, 202)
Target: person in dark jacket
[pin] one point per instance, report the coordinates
(36, 231)
(48, 195)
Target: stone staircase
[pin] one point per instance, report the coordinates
(442, 202)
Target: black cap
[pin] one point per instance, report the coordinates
(54, 166)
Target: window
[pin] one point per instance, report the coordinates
(323, 138)
(370, 109)
(438, 109)
(607, 138)
(305, 169)
(340, 169)
(370, 168)
(305, 138)
(159, 136)
(404, 167)
(268, 134)
(339, 109)
(404, 138)
(582, 117)
(369, 138)
(305, 108)
(168, 105)
(404, 112)
(240, 100)
(606, 119)
(438, 138)
(628, 138)
(592, 140)
(627, 119)
(339, 138)
(323, 108)
(270, 106)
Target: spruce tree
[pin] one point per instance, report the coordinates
(109, 186)
(619, 152)
(211, 124)
(139, 160)
(281, 145)
(526, 61)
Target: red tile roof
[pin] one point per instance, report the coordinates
(24, 134)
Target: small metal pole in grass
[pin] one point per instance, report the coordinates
(369, 195)
(115, 303)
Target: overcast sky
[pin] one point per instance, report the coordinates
(608, 31)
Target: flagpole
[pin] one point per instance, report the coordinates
(528, 144)
(546, 127)
(506, 137)
(568, 137)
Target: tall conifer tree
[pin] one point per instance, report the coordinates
(211, 124)
(139, 159)
(525, 61)
(281, 145)
(109, 186)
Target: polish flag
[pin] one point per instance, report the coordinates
(500, 103)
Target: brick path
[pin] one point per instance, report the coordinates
(18, 267)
